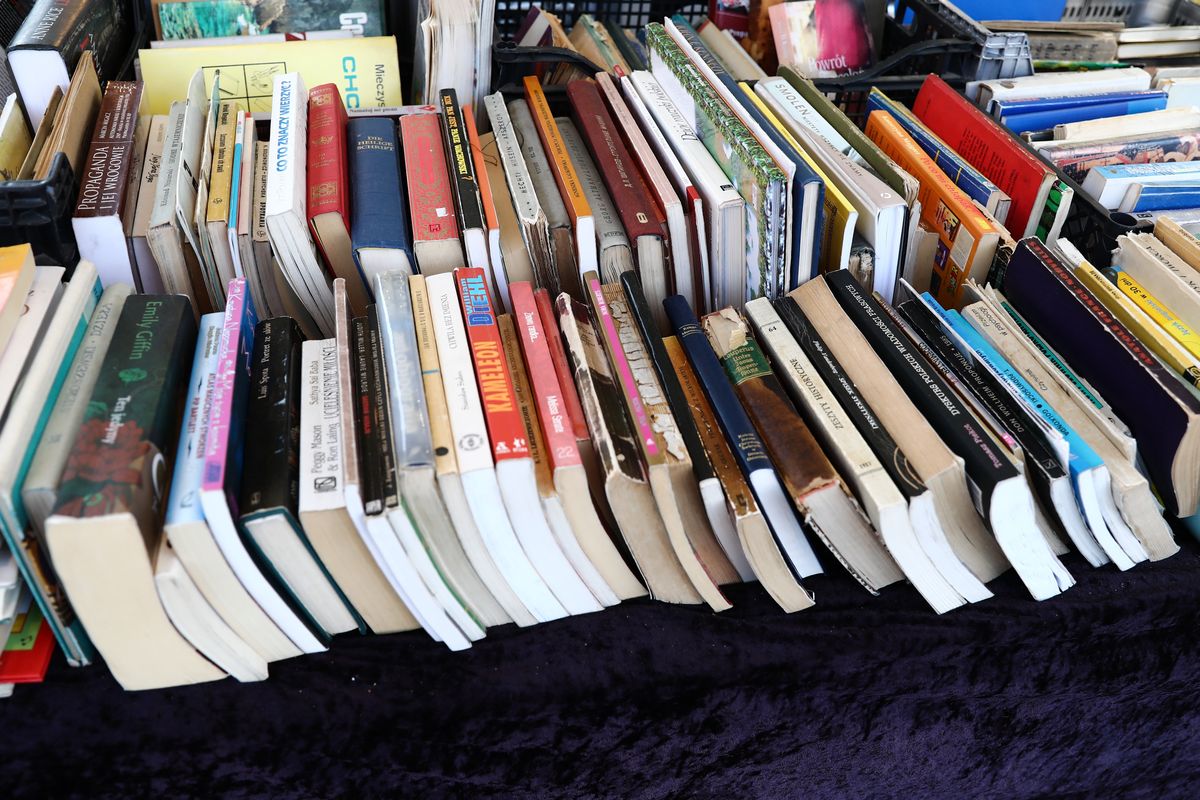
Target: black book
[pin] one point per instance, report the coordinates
(370, 457)
(1162, 413)
(270, 491)
(1000, 492)
(898, 467)
(461, 164)
(377, 395)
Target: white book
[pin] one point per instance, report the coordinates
(1108, 185)
(197, 622)
(287, 223)
(1055, 84)
(40, 303)
(786, 96)
(229, 385)
(476, 470)
(695, 232)
(213, 278)
(1148, 122)
(1162, 273)
(724, 208)
(167, 242)
(191, 537)
(881, 499)
(615, 253)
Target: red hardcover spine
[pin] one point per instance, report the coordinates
(977, 138)
(105, 173)
(430, 202)
(617, 166)
(558, 354)
(328, 168)
(506, 426)
(730, 15)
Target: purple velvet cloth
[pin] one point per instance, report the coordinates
(1093, 694)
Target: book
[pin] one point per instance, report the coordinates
(570, 479)
(726, 47)
(270, 491)
(28, 645)
(985, 145)
(474, 453)
(495, 207)
(102, 536)
(149, 275)
(210, 19)
(56, 326)
(413, 447)
(446, 468)
(1140, 197)
(323, 508)
(575, 201)
(723, 208)
(17, 269)
(1145, 123)
(69, 128)
(367, 68)
(630, 498)
(286, 210)
(1039, 114)
(660, 445)
(510, 447)
(927, 472)
(691, 495)
(102, 199)
(392, 538)
(379, 229)
(1139, 388)
(42, 480)
(967, 237)
(224, 452)
(218, 214)
(1002, 495)
(554, 258)
(190, 535)
(1154, 265)
(202, 241)
(47, 47)
(1152, 310)
(824, 39)
(327, 202)
(615, 254)
(241, 201)
(464, 186)
(435, 230)
(987, 92)
(748, 448)
(16, 139)
(1076, 159)
(884, 503)
(815, 488)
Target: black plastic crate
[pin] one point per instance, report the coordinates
(626, 13)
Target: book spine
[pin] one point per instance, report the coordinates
(616, 165)
(183, 505)
(569, 186)
(468, 422)
(573, 408)
(68, 26)
(122, 446)
(552, 409)
(429, 195)
(377, 187)
(322, 470)
(258, 218)
(1166, 319)
(272, 460)
(365, 428)
(955, 424)
(461, 165)
(223, 452)
(747, 446)
(639, 310)
(287, 162)
(520, 183)
(732, 17)
(505, 426)
(379, 403)
(607, 331)
(844, 390)
(479, 165)
(441, 439)
(326, 153)
(105, 173)
(221, 179)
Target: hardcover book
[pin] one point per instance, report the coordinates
(379, 225)
(209, 19)
(430, 196)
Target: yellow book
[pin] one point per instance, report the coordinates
(366, 71)
(840, 216)
(221, 182)
(1166, 319)
(1139, 323)
(1182, 243)
(15, 139)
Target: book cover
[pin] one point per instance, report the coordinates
(220, 185)
(1076, 159)
(463, 181)
(272, 458)
(366, 70)
(210, 19)
(431, 202)
(823, 38)
(378, 199)
(225, 451)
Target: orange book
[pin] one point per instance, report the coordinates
(564, 175)
(490, 219)
(967, 238)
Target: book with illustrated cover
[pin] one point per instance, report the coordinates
(210, 19)
(1076, 159)
(823, 38)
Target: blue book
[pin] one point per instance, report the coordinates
(805, 253)
(379, 220)
(748, 448)
(965, 177)
(1042, 114)
(1143, 197)
(1109, 184)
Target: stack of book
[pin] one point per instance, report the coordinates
(513, 358)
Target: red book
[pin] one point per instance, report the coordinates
(430, 200)
(26, 656)
(328, 195)
(990, 149)
(506, 426)
(730, 15)
(566, 380)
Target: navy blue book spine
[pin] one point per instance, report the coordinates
(378, 205)
(797, 272)
(747, 447)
